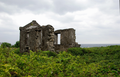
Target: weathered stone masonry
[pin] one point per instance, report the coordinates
(35, 37)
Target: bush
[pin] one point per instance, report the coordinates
(5, 44)
(77, 51)
(17, 44)
(49, 53)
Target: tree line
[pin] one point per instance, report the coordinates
(5, 44)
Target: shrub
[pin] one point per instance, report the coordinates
(5, 44)
(49, 53)
(77, 51)
(17, 44)
(52, 54)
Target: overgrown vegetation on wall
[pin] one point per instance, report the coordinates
(76, 62)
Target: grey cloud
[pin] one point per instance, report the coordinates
(63, 6)
(61, 18)
(57, 6)
(10, 9)
(117, 21)
(38, 6)
(21, 5)
(9, 37)
(98, 36)
(8, 32)
(106, 6)
(6, 21)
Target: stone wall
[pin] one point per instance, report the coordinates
(67, 39)
(48, 38)
(30, 37)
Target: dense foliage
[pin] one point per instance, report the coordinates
(75, 62)
(17, 44)
(5, 44)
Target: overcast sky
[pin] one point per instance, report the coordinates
(95, 21)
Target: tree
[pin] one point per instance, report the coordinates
(17, 44)
(5, 44)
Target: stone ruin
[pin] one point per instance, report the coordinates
(36, 38)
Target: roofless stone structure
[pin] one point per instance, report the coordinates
(35, 37)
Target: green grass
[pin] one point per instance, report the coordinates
(75, 62)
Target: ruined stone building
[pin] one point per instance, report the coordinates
(35, 37)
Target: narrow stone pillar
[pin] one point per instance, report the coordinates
(48, 38)
(55, 38)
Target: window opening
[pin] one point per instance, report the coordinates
(59, 36)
